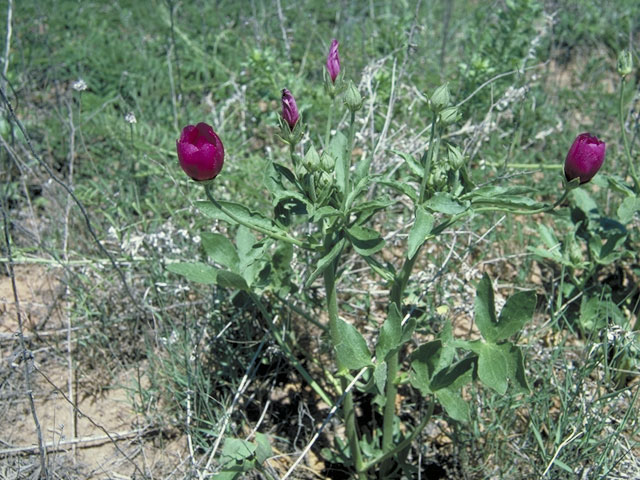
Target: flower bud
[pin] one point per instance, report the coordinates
(440, 98)
(289, 109)
(325, 180)
(449, 115)
(200, 152)
(352, 97)
(585, 158)
(311, 160)
(327, 162)
(333, 61)
(625, 63)
(456, 159)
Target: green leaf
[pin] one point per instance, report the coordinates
(380, 376)
(424, 362)
(365, 241)
(390, 333)
(453, 403)
(263, 448)
(618, 184)
(453, 376)
(195, 272)
(239, 211)
(367, 209)
(548, 236)
(407, 331)
(445, 203)
(220, 249)
(421, 228)
(517, 311)
(387, 272)
(362, 168)
(485, 310)
(338, 150)
(236, 449)
(351, 348)
(228, 474)
(628, 209)
(583, 201)
(518, 375)
(232, 280)
(360, 186)
(325, 212)
(493, 366)
(245, 241)
(401, 187)
(504, 198)
(413, 164)
(325, 261)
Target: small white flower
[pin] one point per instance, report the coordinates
(130, 118)
(79, 85)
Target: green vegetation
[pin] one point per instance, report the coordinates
(99, 92)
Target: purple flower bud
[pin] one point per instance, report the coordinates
(200, 152)
(585, 158)
(289, 109)
(333, 61)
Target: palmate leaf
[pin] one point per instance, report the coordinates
(338, 150)
(203, 273)
(220, 249)
(517, 311)
(390, 334)
(365, 241)
(445, 203)
(351, 348)
(240, 211)
(325, 261)
(195, 272)
(418, 234)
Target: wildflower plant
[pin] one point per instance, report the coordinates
(320, 187)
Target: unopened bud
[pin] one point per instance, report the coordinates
(440, 98)
(449, 115)
(311, 160)
(625, 63)
(327, 162)
(456, 159)
(352, 97)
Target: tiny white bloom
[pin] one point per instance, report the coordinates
(79, 85)
(130, 118)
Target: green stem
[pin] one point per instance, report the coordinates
(327, 135)
(427, 164)
(269, 233)
(630, 165)
(406, 443)
(397, 291)
(348, 409)
(287, 350)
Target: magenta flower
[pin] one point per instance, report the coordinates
(200, 152)
(289, 109)
(333, 61)
(585, 158)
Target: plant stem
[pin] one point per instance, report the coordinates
(269, 233)
(631, 167)
(397, 292)
(404, 443)
(287, 350)
(427, 164)
(348, 410)
(327, 135)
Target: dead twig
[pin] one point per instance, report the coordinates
(81, 442)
